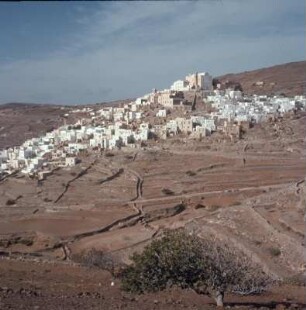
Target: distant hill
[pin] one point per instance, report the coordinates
(114, 103)
(20, 121)
(289, 79)
(27, 105)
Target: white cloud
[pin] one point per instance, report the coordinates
(125, 49)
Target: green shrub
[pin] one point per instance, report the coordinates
(95, 258)
(191, 173)
(257, 242)
(213, 207)
(199, 206)
(10, 202)
(167, 191)
(275, 251)
(185, 260)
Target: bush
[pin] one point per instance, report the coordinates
(26, 241)
(167, 191)
(185, 260)
(96, 258)
(275, 251)
(236, 203)
(10, 202)
(213, 207)
(297, 279)
(199, 206)
(257, 242)
(191, 173)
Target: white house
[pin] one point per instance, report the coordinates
(161, 113)
(180, 85)
(70, 161)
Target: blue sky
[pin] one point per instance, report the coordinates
(88, 52)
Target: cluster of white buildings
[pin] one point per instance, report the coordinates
(126, 126)
(234, 107)
(118, 127)
(195, 126)
(194, 81)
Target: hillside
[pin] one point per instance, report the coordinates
(21, 121)
(289, 78)
(117, 204)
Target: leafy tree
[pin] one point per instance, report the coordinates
(207, 266)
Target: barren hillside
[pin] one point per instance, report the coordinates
(289, 79)
(250, 193)
(21, 121)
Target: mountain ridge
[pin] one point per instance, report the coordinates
(288, 79)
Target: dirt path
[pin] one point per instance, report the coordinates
(243, 189)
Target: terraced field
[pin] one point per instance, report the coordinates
(251, 193)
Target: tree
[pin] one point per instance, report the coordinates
(94, 258)
(207, 266)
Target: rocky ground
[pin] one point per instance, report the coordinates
(34, 284)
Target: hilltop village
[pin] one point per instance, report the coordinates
(193, 108)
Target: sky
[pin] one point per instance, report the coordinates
(90, 52)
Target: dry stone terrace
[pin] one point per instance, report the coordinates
(120, 202)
